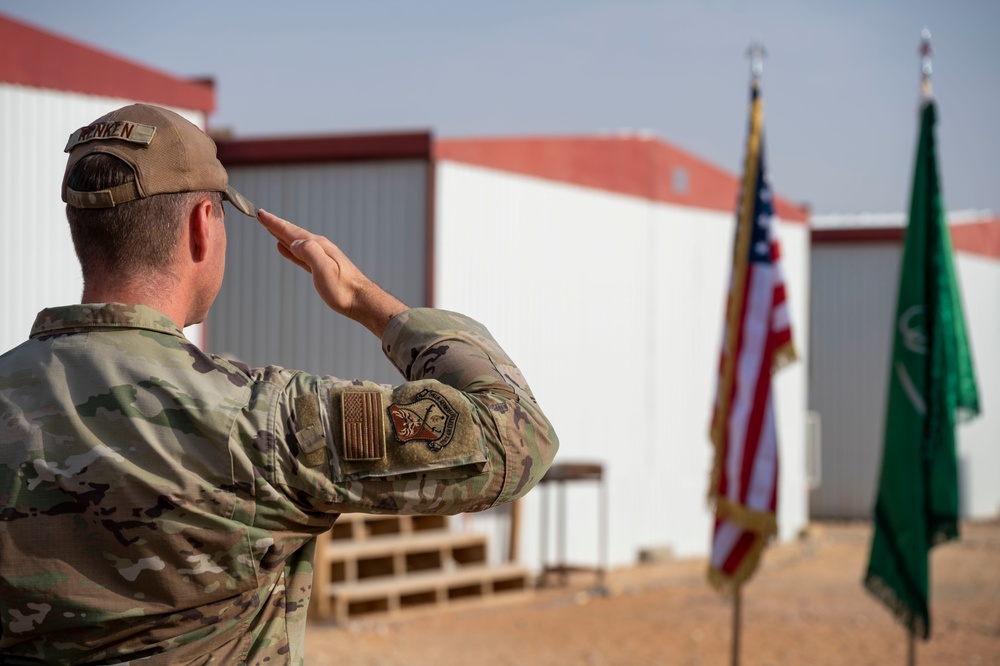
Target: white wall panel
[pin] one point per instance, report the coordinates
(979, 439)
(854, 302)
(38, 267)
(613, 307)
(268, 311)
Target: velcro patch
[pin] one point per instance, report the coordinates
(363, 437)
(120, 129)
(310, 435)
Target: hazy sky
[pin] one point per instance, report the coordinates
(840, 81)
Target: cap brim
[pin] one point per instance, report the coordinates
(240, 202)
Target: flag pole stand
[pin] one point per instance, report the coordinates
(911, 649)
(737, 608)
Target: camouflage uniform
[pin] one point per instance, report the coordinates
(160, 505)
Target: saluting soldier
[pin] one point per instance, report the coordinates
(159, 504)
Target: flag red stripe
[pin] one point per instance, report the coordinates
(741, 267)
(763, 475)
(738, 552)
(760, 377)
(758, 441)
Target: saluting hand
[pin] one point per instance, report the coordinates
(338, 281)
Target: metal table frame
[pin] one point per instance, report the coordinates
(559, 475)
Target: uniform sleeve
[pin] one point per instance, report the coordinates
(462, 433)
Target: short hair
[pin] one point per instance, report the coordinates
(131, 238)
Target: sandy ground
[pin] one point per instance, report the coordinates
(805, 605)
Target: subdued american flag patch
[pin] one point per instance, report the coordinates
(364, 438)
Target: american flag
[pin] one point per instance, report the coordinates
(363, 436)
(757, 340)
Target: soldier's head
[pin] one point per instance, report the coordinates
(132, 179)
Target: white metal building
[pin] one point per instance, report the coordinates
(600, 263)
(855, 275)
(49, 87)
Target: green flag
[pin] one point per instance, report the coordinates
(931, 385)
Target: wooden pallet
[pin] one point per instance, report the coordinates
(387, 565)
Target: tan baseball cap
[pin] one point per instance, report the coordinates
(167, 153)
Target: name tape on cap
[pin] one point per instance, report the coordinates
(119, 129)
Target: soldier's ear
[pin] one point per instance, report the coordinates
(201, 229)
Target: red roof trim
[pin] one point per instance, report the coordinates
(32, 57)
(982, 238)
(637, 167)
(633, 166)
(347, 148)
(979, 238)
(867, 235)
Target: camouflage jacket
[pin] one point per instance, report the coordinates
(160, 505)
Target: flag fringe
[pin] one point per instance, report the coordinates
(943, 529)
(764, 523)
(713, 484)
(783, 355)
(728, 585)
(882, 591)
(734, 303)
(965, 414)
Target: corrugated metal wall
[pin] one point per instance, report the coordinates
(613, 306)
(269, 313)
(38, 267)
(854, 302)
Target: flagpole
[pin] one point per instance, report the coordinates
(737, 612)
(756, 54)
(925, 64)
(926, 94)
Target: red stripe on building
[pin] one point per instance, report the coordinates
(636, 166)
(329, 148)
(980, 238)
(33, 57)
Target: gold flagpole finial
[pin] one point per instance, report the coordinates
(925, 63)
(756, 54)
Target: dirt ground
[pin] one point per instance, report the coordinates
(805, 605)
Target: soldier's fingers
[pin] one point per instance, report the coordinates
(287, 254)
(318, 246)
(332, 249)
(313, 255)
(287, 233)
(328, 274)
(283, 230)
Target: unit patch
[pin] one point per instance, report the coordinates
(364, 438)
(429, 418)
